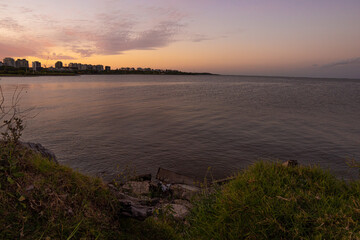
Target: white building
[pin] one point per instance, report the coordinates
(36, 66)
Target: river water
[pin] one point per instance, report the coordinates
(102, 125)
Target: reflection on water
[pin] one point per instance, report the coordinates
(190, 123)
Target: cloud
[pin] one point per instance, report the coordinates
(161, 35)
(118, 38)
(8, 50)
(353, 61)
(11, 24)
(84, 52)
(108, 33)
(55, 56)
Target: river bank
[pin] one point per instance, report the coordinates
(42, 199)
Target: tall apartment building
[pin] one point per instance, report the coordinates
(22, 63)
(36, 66)
(99, 68)
(58, 65)
(10, 62)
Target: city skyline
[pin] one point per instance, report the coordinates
(307, 38)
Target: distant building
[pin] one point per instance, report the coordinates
(1, 64)
(10, 62)
(73, 66)
(84, 67)
(36, 66)
(22, 63)
(107, 68)
(99, 68)
(58, 65)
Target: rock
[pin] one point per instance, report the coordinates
(290, 163)
(38, 148)
(184, 203)
(160, 190)
(135, 210)
(178, 211)
(143, 177)
(183, 191)
(140, 201)
(168, 176)
(138, 188)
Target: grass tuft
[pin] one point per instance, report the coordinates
(270, 201)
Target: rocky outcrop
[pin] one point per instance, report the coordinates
(170, 193)
(38, 148)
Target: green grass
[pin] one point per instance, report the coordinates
(40, 199)
(269, 201)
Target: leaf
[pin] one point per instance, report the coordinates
(22, 198)
(10, 180)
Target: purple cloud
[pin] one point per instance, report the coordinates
(109, 33)
(8, 50)
(353, 61)
(11, 24)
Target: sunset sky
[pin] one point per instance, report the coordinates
(252, 37)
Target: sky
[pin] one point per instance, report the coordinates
(247, 37)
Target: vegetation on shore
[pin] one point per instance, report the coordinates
(270, 201)
(40, 199)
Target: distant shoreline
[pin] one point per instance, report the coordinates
(47, 74)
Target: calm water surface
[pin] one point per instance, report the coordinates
(99, 124)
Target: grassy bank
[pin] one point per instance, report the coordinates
(270, 201)
(40, 199)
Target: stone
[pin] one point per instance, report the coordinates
(178, 211)
(139, 201)
(183, 202)
(138, 188)
(168, 176)
(290, 163)
(135, 210)
(182, 191)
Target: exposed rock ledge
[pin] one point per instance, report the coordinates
(170, 193)
(38, 148)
